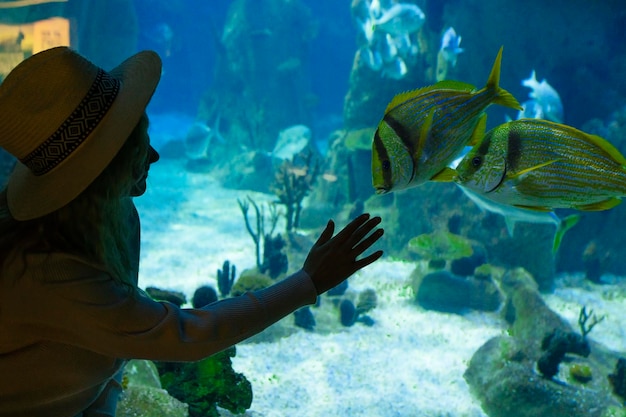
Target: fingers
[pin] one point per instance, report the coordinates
(326, 234)
(361, 232)
(349, 230)
(368, 242)
(362, 263)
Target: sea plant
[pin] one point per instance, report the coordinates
(226, 278)
(559, 343)
(250, 280)
(292, 183)
(440, 246)
(258, 232)
(208, 383)
(275, 261)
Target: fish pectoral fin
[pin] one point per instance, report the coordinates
(445, 175)
(607, 204)
(533, 208)
(527, 170)
(564, 225)
(424, 132)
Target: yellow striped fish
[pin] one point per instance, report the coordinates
(423, 130)
(542, 165)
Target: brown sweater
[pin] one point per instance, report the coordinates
(66, 328)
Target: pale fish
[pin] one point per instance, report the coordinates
(395, 69)
(547, 101)
(199, 138)
(400, 18)
(450, 46)
(423, 130)
(291, 141)
(541, 165)
(513, 215)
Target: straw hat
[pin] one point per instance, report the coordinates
(64, 119)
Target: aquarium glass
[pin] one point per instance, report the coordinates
(497, 295)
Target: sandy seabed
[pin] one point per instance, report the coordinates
(410, 363)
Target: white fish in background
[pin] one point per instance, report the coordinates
(513, 215)
(395, 69)
(546, 100)
(291, 141)
(199, 137)
(400, 18)
(450, 46)
(532, 110)
(388, 49)
(371, 58)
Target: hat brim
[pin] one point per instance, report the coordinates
(30, 196)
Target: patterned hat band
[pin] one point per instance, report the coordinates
(77, 127)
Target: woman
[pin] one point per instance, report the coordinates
(70, 309)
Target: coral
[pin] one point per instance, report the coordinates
(367, 301)
(580, 372)
(208, 383)
(260, 223)
(173, 297)
(226, 278)
(347, 313)
(250, 280)
(204, 295)
(292, 183)
(618, 378)
(304, 318)
(275, 261)
(556, 345)
(584, 317)
(440, 246)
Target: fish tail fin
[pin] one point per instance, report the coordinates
(502, 97)
(564, 225)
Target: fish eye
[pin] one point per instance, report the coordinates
(477, 161)
(386, 165)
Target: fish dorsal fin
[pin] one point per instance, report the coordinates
(401, 98)
(607, 147)
(607, 204)
(529, 169)
(452, 85)
(445, 175)
(533, 208)
(502, 97)
(479, 131)
(494, 76)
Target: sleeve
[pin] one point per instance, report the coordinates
(99, 315)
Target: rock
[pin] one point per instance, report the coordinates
(503, 373)
(143, 395)
(446, 292)
(502, 377)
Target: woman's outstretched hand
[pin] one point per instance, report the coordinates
(333, 259)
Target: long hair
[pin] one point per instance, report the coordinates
(96, 225)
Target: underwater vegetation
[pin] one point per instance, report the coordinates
(208, 383)
(440, 247)
(292, 183)
(226, 278)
